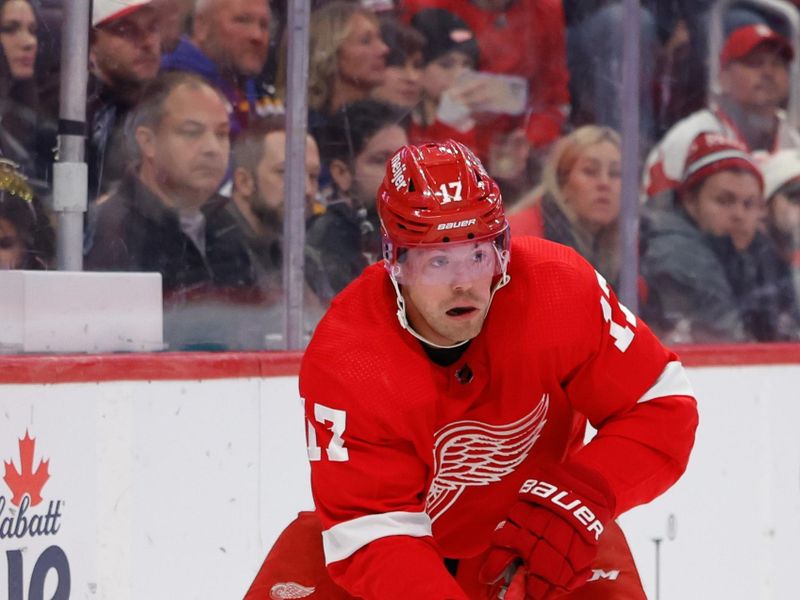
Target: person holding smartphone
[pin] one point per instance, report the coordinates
(449, 56)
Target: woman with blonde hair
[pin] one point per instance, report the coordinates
(347, 57)
(578, 201)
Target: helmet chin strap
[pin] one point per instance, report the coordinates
(505, 278)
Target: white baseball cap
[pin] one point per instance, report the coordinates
(779, 169)
(108, 10)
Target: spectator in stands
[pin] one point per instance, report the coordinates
(754, 83)
(26, 136)
(683, 28)
(401, 86)
(22, 244)
(594, 49)
(761, 280)
(228, 46)
(19, 43)
(578, 202)
(685, 246)
(173, 22)
(782, 190)
(259, 162)
(355, 147)
(347, 59)
(523, 38)
(124, 53)
(257, 205)
(450, 55)
(760, 277)
(166, 215)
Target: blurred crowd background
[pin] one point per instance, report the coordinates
(186, 147)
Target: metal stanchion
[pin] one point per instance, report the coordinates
(296, 126)
(69, 172)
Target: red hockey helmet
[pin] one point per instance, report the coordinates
(442, 222)
(438, 194)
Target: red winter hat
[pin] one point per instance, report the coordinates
(744, 40)
(711, 153)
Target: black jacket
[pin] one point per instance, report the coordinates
(339, 244)
(134, 231)
(690, 298)
(762, 285)
(107, 153)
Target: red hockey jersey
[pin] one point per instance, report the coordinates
(412, 462)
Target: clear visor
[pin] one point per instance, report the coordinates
(448, 264)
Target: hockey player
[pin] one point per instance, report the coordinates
(447, 393)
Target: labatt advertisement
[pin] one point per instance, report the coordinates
(36, 553)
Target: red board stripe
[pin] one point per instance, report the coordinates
(176, 366)
(139, 367)
(739, 354)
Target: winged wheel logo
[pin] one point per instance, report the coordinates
(471, 453)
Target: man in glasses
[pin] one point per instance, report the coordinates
(125, 54)
(447, 393)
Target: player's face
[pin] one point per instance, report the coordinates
(128, 49)
(760, 80)
(723, 203)
(447, 290)
(18, 38)
(593, 186)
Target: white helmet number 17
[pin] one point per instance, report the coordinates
(455, 186)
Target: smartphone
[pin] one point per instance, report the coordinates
(509, 92)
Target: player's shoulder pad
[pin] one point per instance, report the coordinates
(359, 356)
(553, 285)
(543, 263)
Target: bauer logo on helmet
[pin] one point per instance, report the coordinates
(455, 224)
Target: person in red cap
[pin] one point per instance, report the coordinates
(524, 39)
(447, 393)
(124, 52)
(754, 84)
(686, 245)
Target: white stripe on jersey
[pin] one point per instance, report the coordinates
(343, 540)
(671, 382)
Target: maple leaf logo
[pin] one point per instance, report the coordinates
(26, 480)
